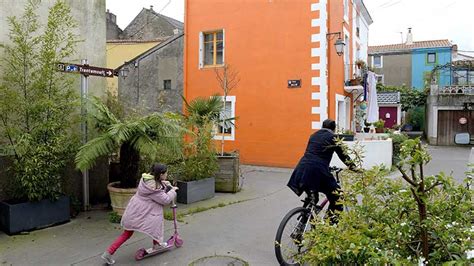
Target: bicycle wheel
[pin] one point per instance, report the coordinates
(289, 237)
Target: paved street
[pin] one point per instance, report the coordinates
(245, 230)
(449, 159)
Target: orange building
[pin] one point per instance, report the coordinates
(291, 77)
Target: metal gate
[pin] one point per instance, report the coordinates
(450, 122)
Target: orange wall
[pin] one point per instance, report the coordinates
(268, 43)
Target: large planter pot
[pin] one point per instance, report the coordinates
(379, 130)
(193, 191)
(119, 197)
(228, 175)
(27, 216)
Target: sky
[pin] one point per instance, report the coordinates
(429, 19)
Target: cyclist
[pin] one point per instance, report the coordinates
(312, 174)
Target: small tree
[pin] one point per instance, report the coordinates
(414, 219)
(36, 102)
(228, 79)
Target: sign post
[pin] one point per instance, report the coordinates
(85, 70)
(85, 174)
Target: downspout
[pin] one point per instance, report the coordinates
(185, 54)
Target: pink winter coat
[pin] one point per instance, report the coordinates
(144, 212)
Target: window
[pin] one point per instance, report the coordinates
(377, 61)
(167, 84)
(431, 58)
(226, 115)
(212, 48)
(460, 77)
(379, 79)
(346, 58)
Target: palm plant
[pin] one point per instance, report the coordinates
(202, 110)
(133, 137)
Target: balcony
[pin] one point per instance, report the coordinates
(457, 90)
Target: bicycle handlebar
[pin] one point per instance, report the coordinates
(335, 169)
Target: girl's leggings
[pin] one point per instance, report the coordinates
(121, 239)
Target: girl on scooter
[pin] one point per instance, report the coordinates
(144, 212)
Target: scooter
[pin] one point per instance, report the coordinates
(175, 240)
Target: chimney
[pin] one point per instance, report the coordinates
(409, 40)
(111, 17)
(151, 7)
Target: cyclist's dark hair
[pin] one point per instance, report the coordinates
(329, 124)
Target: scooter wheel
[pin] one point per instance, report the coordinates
(178, 242)
(140, 254)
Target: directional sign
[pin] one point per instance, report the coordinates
(86, 70)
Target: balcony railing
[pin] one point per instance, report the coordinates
(457, 89)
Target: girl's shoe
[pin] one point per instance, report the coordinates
(107, 258)
(157, 247)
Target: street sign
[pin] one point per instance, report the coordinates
(86, 70)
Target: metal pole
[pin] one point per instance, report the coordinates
(85, 174)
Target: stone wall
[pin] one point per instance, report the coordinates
(143, 88)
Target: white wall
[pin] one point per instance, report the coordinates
(376, 152)
(363, 39)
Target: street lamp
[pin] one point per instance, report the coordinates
(339, 44)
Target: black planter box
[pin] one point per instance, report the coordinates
(27, 216)
(192, 191)
(346, 137)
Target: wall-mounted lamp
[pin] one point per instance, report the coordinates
(339, 44)
(124, 71)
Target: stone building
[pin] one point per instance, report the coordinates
(153, 81)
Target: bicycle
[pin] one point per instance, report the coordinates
(287, 250)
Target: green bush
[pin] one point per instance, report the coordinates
(114, 217)
(397, 140)
(37, 104)
(388, 222)
(416, 118)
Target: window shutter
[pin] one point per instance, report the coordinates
(201, 50)
(223, 46)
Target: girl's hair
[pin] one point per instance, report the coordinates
(156, 170)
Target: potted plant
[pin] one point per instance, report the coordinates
(37, 106)
(379, 126)
(200, 109)
(346, 135)
(355, 81)
(195, 172)
(228, 178)
(134, 138)
(360, 64)
(367, 126)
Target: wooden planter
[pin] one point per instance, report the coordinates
(228, 175)
(119, 197)
(27, 216)
(193, 191)
(379, 130)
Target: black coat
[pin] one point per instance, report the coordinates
(312, 172)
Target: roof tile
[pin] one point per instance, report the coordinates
(405, 47)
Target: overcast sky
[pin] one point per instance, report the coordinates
(429, 19)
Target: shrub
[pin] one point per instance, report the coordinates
(37, 104)
(416, 118)
(420, 219)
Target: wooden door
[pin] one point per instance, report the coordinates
(448, 125)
